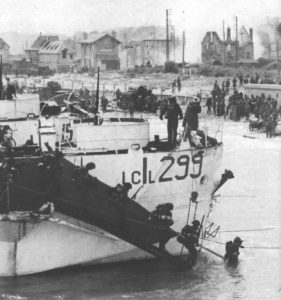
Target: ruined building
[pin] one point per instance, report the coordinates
(146, 49)
(4, 49)
(217, 51)
(48, 50)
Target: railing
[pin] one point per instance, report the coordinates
(212, 126)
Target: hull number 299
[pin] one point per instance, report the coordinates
(169, 163)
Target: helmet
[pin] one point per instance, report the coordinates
(90, 166)
(169, 206)
(196, 223)
(237, 240)
(127, 185)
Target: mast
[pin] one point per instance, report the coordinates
(97, 92)
(167, 36)
(223, 31)
(174, 44)
(183, 47)
(236, 42)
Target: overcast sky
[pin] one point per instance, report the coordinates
(194, 16)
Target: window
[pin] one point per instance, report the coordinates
(64, 51)
(71, 56)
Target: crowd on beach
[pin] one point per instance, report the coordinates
(226, 100)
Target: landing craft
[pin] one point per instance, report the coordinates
(90, 224)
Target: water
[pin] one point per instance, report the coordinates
(250, 201)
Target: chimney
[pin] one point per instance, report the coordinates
(113, 34)
(228, 34)
(251, 34)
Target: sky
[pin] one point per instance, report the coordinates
(195, 17)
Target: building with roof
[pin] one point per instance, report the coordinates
(4, 50)
(32, 53)
(217, 51)
(51, 52)
(100, 50)
(149, 51)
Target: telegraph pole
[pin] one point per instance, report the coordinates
(277, 55)
(236, 27)
(167, 36)
(223, 31)
(174, 44)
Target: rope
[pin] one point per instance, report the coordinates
(250, 196)
(189, 204)
(245, 247)
(258, 229)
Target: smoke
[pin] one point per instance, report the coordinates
(270, 34)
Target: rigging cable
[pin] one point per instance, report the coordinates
(247, 247)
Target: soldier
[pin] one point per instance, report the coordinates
(131, 108)
(227, 85)
(174, 85)
(174, 112)
(179, 84)
(118, 94)
(209, 104)
(10, 90)
(232, 250)
(191, 114)
(234, 81)
(189, 237)
(104, 103)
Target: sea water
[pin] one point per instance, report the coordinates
(249, 206)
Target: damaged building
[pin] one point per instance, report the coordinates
(4, 50)
(147, 52)
(217, 51)
(49, 51)
(100, 50)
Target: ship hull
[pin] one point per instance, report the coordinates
(28, 247)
